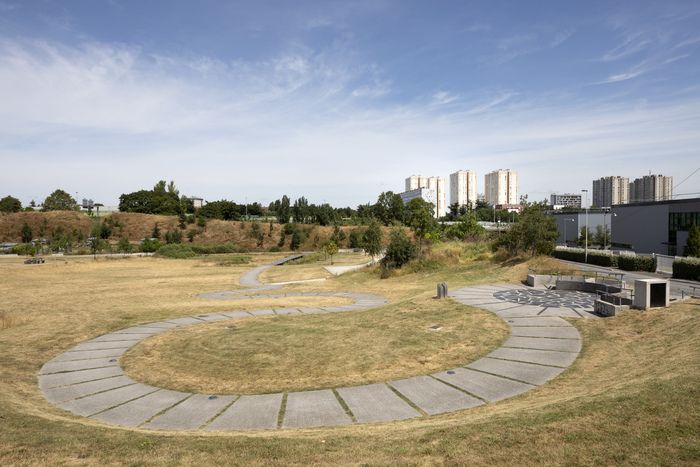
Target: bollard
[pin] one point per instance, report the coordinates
(441, 290)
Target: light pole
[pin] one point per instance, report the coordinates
(586, 249)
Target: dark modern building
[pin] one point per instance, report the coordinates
(571, 223)
(654, 227)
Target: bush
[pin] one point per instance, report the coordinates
(150, 245)
(24, 249)
(175, 250)
(124, 246)
(598, 258)
(636, 263)
(686, 269)
(274, 249)
(399, 251)
(174, 236)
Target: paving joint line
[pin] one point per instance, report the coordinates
(523, 361)
(344, 405)
(412, 404)
(485, 401)
(219, 413)
(164, 410)
(123, 403)
(502, 376)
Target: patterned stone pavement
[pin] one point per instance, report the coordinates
(87, 380)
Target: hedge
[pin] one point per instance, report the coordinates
(686, 269)
(24, 249)
(175, 250)
(636, 263)
(218, 249)
(594, 257)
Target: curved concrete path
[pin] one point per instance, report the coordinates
(88, 380)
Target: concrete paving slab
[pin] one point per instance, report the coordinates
(286, 311)
(241, 314)
(311, 311)
(376, 403)
(136, 412)
(314, 408)
(564, 345)
(95, 403)
(214, 317)
(539, 321)
(67, 393)
(137, 330)
(60, 367)
(563, 312)
(104, 345)
(185, 320)
(526, 372)
(533, 331)
(191, 413)
(498, 306)
(80, 376)
(433, 396)
(120, 338)
(89, 354)
(249, 412)
(265, 312)
(542, 357)
(487, 387)
(520, 311)
(161, 324)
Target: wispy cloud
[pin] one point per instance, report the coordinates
(216, 126)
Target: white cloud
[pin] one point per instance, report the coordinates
(105, 120)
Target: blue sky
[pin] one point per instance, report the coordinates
(338, 101)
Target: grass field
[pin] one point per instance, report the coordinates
(292, 353)
(631, 398)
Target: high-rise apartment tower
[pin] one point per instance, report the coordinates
(608, 191)
(501, 187)
(651, 188)
(434, 183)
(463, 188)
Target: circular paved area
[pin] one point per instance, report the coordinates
(548, 298)
(87, 380)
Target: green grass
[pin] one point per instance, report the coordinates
(294, 353)
(631, 398)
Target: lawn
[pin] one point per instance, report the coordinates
(630, 398)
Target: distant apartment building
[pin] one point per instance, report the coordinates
(609, 191)
(415, 182)
(427, 194)
(501, 187)
(463, 188)
(651, 188)
(569, 200)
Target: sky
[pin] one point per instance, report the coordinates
(338, 101)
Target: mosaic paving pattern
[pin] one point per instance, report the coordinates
(548, 298)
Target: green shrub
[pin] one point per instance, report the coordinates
(274, 249)
(149, 245)
(174, 236)
(399, 251)
(686, 269)
(598, 258)
(176, 250)
(124, 246)
(24, 249)
(636, 263)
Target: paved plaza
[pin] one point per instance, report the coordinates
(87, 380)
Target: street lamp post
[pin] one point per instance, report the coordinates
(586, 244)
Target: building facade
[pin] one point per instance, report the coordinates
(570, 224)
(437, 184)
(651, 188)
(463, 188)
(501, 187)
(570, 200)
(609, 191)
(656, 226)
(426, 194)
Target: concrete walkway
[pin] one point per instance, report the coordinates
(87, 380)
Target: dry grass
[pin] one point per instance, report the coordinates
(7, 320)
(293, 353)
(630, 398)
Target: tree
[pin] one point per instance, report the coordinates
(283, 211)
(399, 251)
(535, 233)
(300, 210)
(466, 228)
(331, 249)
(10, 204)
(601, 237)
(156, 232)
(59, 200)
(124, 246)
(26, 233)
(355, 238)
(421, 218)
(372, 239)
(692, 246)
(296, 240)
